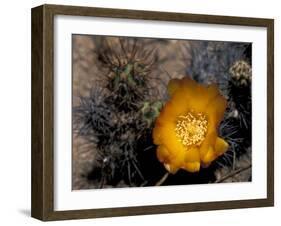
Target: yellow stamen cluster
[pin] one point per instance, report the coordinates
(191, 128)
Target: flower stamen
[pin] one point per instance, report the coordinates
(191, 128)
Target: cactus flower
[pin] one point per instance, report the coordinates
(186, 130)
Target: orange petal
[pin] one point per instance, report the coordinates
(209, 156)
(213, 90)
(199, 96)
(168, 159)
(162, 154)
(172, 109)
(156, 134)
(221, 146)
(203, 95)
(189, 95)
(170, 140)
(208, 142)
(173, 85)
(192, 167)
(192, 155)
(171, 168)
(215, 111)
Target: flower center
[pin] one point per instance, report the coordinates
(191, 128)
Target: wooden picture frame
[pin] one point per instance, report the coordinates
(43, 112)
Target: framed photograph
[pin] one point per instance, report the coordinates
(141, 112)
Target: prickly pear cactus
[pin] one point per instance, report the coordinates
(118, 115)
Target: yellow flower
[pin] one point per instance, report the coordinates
(186, 130)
